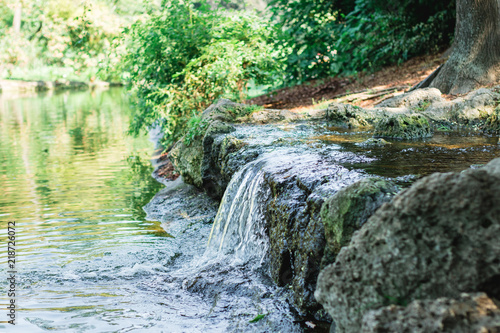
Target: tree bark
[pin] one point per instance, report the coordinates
(475, 57)
(16, 24)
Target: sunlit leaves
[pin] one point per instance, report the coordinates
(182, 58)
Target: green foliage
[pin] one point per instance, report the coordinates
(308, 35)
(6, 18)
(257, 318)
(377, 34)
(194, 128)
(327, 38)
(180, 58)
(58, 38)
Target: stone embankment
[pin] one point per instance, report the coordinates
(419, 113)
(425, 259)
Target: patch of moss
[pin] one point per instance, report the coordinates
(347, 210)
(240, 111)
(346, 115)
(196, 128)
(407, 127)
(492, 122)
(423, 105)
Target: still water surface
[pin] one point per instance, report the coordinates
(75, 184)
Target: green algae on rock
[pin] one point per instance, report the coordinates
(190, 159)
(193, 159)
(348, 209)
(405, 127)
(349, 116)
(492, 122)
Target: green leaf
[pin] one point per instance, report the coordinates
(257, 318)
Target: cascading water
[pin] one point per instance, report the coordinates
(239, 227)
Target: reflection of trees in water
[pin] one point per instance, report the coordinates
(54, 147)
(94, 121)
(139, 177)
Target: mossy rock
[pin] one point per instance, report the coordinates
(492, 122)
(191, 159)
(405, 127)
(348, 209)
(349, 116)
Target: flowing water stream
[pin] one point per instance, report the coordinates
(89, 258)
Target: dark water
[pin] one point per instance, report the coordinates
(444, 152)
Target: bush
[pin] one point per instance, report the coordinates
(180, 58)
(308, 35)
(328, 38)
(58, 39)
(376, 34)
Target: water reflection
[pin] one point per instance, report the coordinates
(75, 183)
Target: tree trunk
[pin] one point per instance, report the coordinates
(16, 24)
(475, 57)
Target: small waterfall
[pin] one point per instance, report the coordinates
(239, 227)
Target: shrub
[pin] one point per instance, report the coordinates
(180, 58)
(376, 34)
(308, 35)
(340, 37)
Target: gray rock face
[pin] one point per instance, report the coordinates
(296, 233)
(469, 313)
(438, 238)
(417, 99)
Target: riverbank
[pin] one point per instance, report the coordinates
(21, 86)
(364, 89)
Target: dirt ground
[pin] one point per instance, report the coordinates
(400, 77)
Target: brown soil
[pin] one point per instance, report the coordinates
(166, 170)
(307, 95)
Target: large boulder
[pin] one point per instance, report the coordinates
(296, 233)
(311, 216)
(469, 313)
(438, 238)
